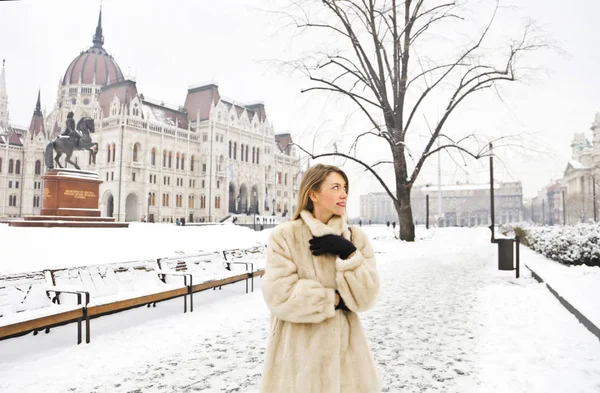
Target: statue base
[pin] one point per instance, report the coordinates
(70, 200)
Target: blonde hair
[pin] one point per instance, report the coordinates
(312, 181)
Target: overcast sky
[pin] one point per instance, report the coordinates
(168, 46)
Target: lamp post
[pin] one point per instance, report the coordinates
(273, 206)
(594, 194)
(564, 208)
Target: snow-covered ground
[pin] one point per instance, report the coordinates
(447, 321)
(31, 249)
(579, 285)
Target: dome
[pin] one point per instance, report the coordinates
(94, 66)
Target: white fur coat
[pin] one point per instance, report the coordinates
(314, 348)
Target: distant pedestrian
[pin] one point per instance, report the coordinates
(388, 224)
(394, 225)
(360, 223)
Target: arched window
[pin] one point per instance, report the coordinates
(114, 150)
(235, 150)
(178, 157)
(257, 155)
(192, 164)
(229, 149)
(164, 158)
(0, 165)
(135, 152)
(182, 161)
(38, 167)
(242, 152)
(253, 154)
(18, 167)
(285, 180)
(11, 165)
(247, 153)
(170, 158)
(153, 157)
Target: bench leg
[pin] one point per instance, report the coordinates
(35, 332)
(87, 327)
(79, 331)
(191, 295)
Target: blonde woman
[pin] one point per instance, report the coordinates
(319, 274)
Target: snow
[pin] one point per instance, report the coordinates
(446, 321)
(579, 285)
(577, 164)
(34, 249)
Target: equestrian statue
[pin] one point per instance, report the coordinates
(73, 138)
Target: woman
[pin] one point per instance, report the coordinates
(319, 274)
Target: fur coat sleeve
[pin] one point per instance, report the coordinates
(289, 297)
(356, 277)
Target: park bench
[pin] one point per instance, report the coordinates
(26, 306)
(116, 287)
(41, 300)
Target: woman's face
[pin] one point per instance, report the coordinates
(331, 198)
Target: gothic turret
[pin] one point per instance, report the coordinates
(4, 119)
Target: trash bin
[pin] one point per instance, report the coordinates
(505, 254)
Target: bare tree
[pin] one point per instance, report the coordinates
(377, 66)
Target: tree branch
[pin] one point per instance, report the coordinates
(367, 167)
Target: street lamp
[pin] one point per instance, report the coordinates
(273, 206)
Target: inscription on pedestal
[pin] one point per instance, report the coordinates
(80, 194)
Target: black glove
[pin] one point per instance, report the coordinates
(331, 244)
(341, 305)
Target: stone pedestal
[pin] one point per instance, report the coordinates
(70, 200)
(70, 193)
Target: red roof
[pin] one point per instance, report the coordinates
(200, 99)
(124, 90)
(15, 139)
(37, 125)
(93, 66)
(283, 141)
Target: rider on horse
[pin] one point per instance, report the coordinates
(71, 131)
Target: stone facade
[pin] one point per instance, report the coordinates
(200, 161)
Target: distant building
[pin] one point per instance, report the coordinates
(579, 185)
(462, 205)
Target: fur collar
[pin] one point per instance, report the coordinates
(335, 226)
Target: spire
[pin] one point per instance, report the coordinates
(3, 97)
(98, 37)
(2, 80)
(37, 120)
(38, 105)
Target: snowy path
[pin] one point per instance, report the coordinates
(447, 321)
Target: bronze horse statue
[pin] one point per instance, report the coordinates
(67, 144)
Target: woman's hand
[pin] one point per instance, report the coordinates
(337, 299)
(332, 244)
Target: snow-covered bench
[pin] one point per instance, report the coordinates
(116, 287)
(26, 306)
(212, 270)
(45, 299)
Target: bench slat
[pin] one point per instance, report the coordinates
(134, 302)
(39, 323)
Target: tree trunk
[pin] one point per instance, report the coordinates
(405, 216)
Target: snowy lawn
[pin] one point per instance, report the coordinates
(447, 321)
(579, 285)
(31, 249)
